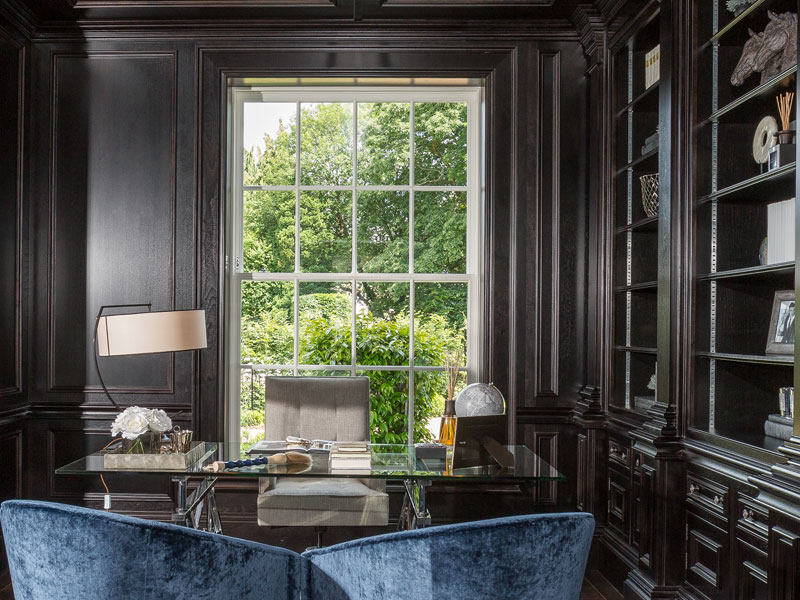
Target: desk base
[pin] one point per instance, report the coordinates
(414, 513)
(192, 515)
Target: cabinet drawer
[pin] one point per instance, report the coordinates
(752, 524)
(707, 496)
(619, 454)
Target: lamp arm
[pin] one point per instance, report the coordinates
(96, 350)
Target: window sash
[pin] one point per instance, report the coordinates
(473, 276)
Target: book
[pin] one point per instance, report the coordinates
(780, 232)
(350, 447)
(356, 462)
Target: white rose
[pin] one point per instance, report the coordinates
(159, 421)
(131, 423)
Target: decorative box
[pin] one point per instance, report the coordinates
(431, 451)
(175, 461)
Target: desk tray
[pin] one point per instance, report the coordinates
(154, 462)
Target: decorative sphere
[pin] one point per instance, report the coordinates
(479, 399)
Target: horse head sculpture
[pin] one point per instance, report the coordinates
(747, 62)
(780, 41)
(769, 52)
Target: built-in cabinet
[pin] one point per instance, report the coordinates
(700, 502)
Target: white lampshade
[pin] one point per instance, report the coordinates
(151, 332)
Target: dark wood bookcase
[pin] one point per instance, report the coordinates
(697, 501)
(735, 382)
(635, 117)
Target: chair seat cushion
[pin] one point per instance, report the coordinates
(322, 502)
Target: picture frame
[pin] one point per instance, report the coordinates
(781, 324)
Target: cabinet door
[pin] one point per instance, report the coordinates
(752, 583)
(707, 553)
(784, 558)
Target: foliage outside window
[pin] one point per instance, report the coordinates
(357, 254)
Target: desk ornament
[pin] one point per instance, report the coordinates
(480, 399)
(287, 459)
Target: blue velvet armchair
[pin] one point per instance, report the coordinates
(531, 557)
(60, 551)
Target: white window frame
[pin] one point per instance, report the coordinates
(474, 276)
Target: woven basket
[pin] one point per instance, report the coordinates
(650, 194)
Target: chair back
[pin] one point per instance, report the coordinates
(62, 551)
(322, 408)
(530, 557)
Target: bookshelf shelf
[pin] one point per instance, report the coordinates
(743, 191)
(779, 268)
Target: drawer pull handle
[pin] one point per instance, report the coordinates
(638, 462)
(746, 514)
(693, 489)
(717, 500)
(624, 457)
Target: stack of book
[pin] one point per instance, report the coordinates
(350, 457)
(652, 66)
(779, 427)
(780, 232)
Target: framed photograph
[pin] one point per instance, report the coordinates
(781, 325)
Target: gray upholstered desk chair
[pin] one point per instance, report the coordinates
(323, 408)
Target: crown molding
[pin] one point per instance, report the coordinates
(591, 29)
(333, 31)
(19, 17)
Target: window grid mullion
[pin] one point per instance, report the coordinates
(354, 241)
(411, 270)
(296, 287)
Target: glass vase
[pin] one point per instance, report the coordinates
(147, 443)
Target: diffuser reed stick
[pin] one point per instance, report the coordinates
(785, 108)
(452, 364)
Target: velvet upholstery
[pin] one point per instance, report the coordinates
(532, 557)
(60, 551)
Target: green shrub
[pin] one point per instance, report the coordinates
(325, 339)
(250, 418)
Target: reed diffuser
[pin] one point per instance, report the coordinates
(447, 430)
(783, 153)
(785, 101)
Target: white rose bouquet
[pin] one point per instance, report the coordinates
(134, 421)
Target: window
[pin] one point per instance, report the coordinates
(354, 247)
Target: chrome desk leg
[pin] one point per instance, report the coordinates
(414, 514)
(191, 515)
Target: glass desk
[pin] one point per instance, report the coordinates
(395, 462)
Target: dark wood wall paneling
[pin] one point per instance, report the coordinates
(13, 391)
(126, 184)
(115, 222)
(127, 141)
